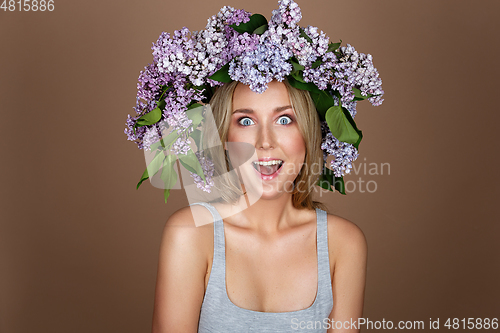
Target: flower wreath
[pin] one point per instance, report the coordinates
(238, 46)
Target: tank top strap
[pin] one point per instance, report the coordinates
(324, 277)
(218, 272)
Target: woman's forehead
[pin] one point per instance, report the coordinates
(275, 96)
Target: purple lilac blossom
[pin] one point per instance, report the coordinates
(148, 89)
(319, 40)
(150, 137)
(321, 76)
(176, 103)
(176, 54)
(259, 67)
(344, 153)
(208, 170)
(284, 32)
(219, 43)
(364, 75)
(288, 13)
(139, 131)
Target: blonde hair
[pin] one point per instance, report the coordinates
(309, 126)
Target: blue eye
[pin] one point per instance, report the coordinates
(245, 121)
(284, 120)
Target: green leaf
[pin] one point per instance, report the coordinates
(317, 63)
(339, 185)
(156, 145)
(222, 75)
(296, 67)
(309, 86)
(194, 106)
(324, 183)
(196, 135)
(153, 167)
(332, 47)
(196, 116)
(143, 178)
(254, 26)
(166, 194)
(170, 138)
(260, 30)
(168, 174)
(304, 35)
(358, 96)
(340, 126)
(150, 118)
(298, 77)
(161, 104)
(347, 114)
(323, 101)
(326, 179)
(191, 163)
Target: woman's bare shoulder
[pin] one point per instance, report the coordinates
(184, 259)
(190, 228)
(345, 238)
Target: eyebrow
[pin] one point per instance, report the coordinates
(276, 110)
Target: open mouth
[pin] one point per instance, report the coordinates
(267, 168)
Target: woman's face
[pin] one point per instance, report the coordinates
(267, 122)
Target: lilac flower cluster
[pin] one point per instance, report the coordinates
(176, 103)
(365, 75)
(344, 153)
(288, 13)
(151, 136)
(282, 40)
(322, 75)
(338, 73)
(208, 170)
(219, 43)
(139, 132)
(148, 89)
(345, 72)
(259, 67)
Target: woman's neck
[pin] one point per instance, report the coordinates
(265, 215)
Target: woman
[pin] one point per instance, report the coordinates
(279, 265)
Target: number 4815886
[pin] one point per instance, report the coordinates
(27, 5)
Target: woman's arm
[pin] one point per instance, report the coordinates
(347, 247)
(180, 284)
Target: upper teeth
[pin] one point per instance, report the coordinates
(273, 162)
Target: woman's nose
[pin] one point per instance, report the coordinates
(266, 138)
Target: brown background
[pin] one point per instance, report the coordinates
(78, 243)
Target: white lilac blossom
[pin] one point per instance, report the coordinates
(344, 153)
(208, 171)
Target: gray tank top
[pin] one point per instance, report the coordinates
(220, 315)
